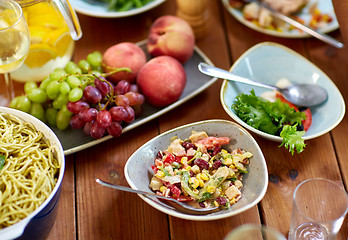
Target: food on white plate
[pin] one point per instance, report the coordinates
(287, 7)
(125, 5)
(263, 18)
(198, 170)
(28, 169)
(272, 113)
(171, 36)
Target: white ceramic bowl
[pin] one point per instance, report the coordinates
(269, 62)
(38, 224)
(138, 170)
(100, 9)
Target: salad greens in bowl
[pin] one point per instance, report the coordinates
(276, 119)
(212, 163)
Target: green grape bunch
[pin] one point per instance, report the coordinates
(80, 96)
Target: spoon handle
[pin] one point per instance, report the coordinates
(220, 73)
(127, 189)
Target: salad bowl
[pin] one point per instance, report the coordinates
(269, 62)
(138, 171)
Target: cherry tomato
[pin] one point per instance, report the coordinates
(308, 121)
(281, 98)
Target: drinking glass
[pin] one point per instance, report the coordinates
(14, 43)
(254, 232)
(318, 211)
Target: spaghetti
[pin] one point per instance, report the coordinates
(29, 172)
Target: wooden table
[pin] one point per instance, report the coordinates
(89, 211)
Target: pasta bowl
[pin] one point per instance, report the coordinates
(138, 171)
(39, 221)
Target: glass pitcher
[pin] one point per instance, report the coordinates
(53, 27)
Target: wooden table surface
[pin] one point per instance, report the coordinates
(89, 211)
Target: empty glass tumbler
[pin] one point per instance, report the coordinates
(318, 210)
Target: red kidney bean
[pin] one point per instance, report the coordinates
(217, 164)
(202, 163)
(221, 200)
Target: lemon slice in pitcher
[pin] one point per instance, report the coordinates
(60, 40)
(39, 55)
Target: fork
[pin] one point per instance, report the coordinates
(177, 204)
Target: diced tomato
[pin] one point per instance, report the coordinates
(154, 168)
(308, 121)
(281, 98)
(168, 158)
(178, 159)
(174, 189)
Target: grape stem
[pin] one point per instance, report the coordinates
(111, 91)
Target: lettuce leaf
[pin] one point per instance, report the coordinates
(271, 117)
(292, 139)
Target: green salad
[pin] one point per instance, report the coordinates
(125, 5)
(276, 118)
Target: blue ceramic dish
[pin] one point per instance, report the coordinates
(38, 224)
(269, 62)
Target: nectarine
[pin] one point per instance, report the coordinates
(123, 55)
(171, 36)
(162, 80)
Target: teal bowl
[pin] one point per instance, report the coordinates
(269, 62)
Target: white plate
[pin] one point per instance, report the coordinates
(96, 8)
(325, 6)
(74, 140)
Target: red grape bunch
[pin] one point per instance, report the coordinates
(105, 107)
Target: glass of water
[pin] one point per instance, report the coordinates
(254, 232)
(318, 210)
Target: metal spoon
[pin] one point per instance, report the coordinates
(177, 204)
(306, 95)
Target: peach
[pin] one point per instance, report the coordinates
(162, 80)
(171, 36)
(125, 54)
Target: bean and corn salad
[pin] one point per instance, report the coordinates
(198, 169)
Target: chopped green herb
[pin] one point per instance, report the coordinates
(2, 161)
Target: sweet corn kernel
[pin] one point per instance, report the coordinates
(204, 176)
(159, 174)
(211, 189)
(216, 204)
(198, 176)
(194, 182)
(201, 182)
(188, 168)
(163, 189)
(233, 201)
(184, 160)
(316, 11)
